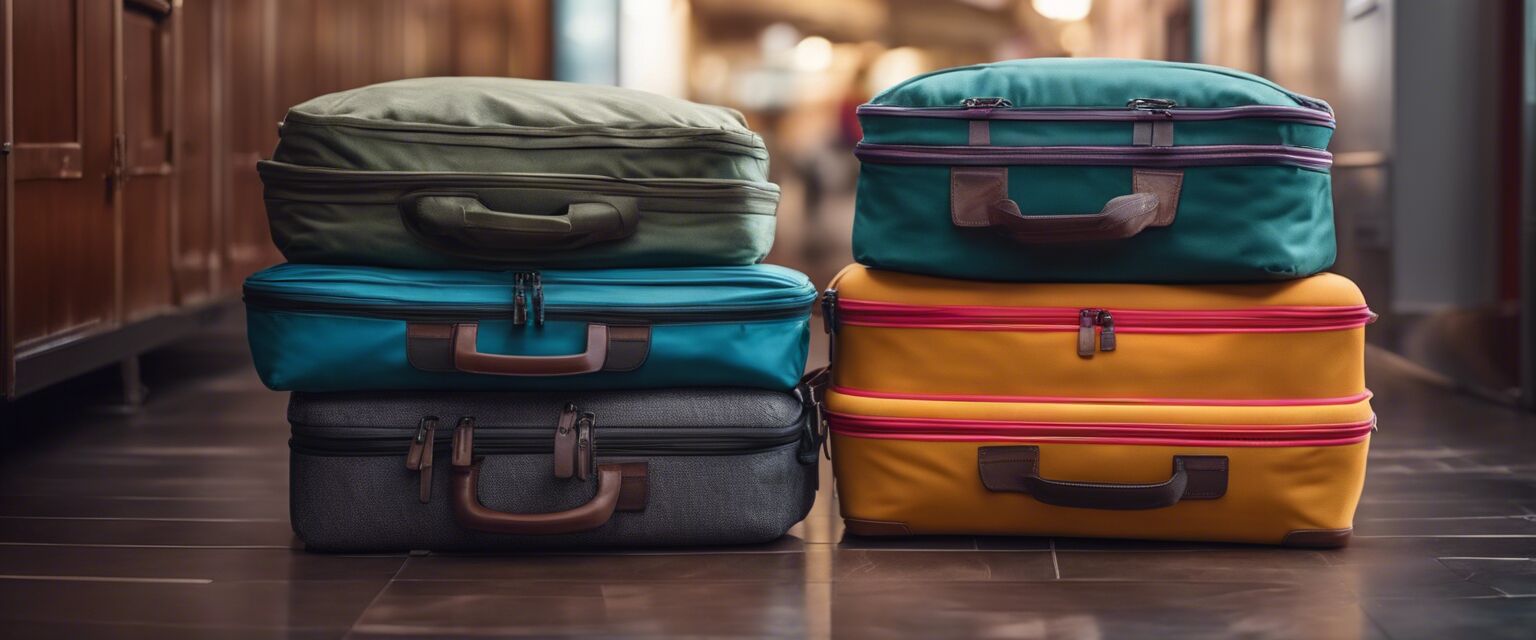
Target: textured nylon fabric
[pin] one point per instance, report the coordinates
(679, 408)
(369, 504)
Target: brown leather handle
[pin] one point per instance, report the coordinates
(1017, 469)
(452, 347)
(620, 487)
(468, 358)
(979, 198)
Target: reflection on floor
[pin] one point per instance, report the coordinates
(172, 522)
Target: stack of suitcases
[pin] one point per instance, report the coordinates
(522, 313)
(1089, 303)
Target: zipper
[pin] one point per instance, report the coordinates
(674, 137)
(1140, 156)
(610, 441)
(1097, 327)
(519, 310)
(1137, 109)
(1232, 435)
(342, 179)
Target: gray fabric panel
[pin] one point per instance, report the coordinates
(651, 408)
(369, 504)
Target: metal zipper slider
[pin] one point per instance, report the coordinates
(538, 298)
(519, 299)
(419, 457)
(1159, 105)
(985, 103)
(1107, 331)
(1087, 320)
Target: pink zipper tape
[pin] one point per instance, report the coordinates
(1194, 402)
(1255, 320)
(956, 430)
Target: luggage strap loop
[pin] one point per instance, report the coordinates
(452, 347)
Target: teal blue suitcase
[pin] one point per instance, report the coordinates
(334, 328)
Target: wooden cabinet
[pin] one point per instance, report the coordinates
(131, 130)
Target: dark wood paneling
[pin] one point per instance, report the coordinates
(148, 98)
(63, 224)
(132, 180)
(251, 117)
(197, 201)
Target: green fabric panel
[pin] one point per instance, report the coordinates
(1090, 82)
(1234, 224)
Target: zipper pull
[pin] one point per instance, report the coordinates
(1107, 333)
(1087, 320)
(565, 442)
(538, 298)
(985, 103)
(419, 457)
(829, 311)
(586, 445)
(1157, 105)
(519, 300)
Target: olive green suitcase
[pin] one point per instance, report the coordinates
(442, 173)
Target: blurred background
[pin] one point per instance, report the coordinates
(132, 208)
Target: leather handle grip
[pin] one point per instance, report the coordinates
(469, 359)
(979, 198)
(620, 487)
(453, 347)
(1017, 469)
(462, 222)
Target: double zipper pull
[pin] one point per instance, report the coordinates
(1095, 332)
(419, 457)
(985, 103)
(538, 298)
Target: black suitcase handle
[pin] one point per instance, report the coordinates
(1017, 469)
(459, 222)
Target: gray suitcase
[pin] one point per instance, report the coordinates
(478, 471)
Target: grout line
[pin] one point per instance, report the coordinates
(1055, 563)
(12, 576)
(1483, 558)
(375, 600)
(88, 545)
(130, 519)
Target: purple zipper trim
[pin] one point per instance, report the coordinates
(1186, 156)
(1256, 111)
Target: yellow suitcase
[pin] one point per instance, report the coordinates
(1232, 413)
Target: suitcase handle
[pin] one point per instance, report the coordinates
(459, 222)
(451, 347)
(1017, 470)
(620, 487)
(979, 199)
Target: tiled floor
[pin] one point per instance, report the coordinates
(172, 522)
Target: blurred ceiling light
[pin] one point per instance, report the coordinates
(813, 54)
(895, 66)
(1076, 38)
(777, 39)
(1064, 10)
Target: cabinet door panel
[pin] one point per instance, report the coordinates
(148, 192)
(63, 221)
(196, 141)
(251, 128)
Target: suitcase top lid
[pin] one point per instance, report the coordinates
(716, 288)
(514, 104)
(1091, 83)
